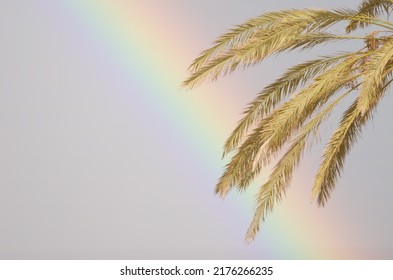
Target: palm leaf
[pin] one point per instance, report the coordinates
(277, 128)
(274, 189)
(374, 74)
(339, 145)
(242, 33)
(371, 9)
(291, 109)
(285, 120)
(281, 31)
(274, 93)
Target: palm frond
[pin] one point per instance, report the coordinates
(274, 189)
(233, 39)
(240, 34)
(371, 9)
(276, 32)
(340, 143)
(334, 156)
(277, 128)
(285, 120)
(289, 111)
(276, 92)
(254, 50)
(374, 74)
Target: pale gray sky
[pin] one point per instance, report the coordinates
(85, 174)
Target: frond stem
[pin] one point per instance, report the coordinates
(376, 21)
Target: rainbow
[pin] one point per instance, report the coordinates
(155, 52)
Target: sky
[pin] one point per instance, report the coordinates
(105, 156)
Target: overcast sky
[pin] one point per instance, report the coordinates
(103, 156)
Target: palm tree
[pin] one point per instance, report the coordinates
(286, 115)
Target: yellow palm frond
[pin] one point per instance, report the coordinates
(274, 130)
(241, 34)
(273, 94)
(374, 69)
(339, 145)
(274, 189)
(289, 111)
(261, 37)
(371, 9)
